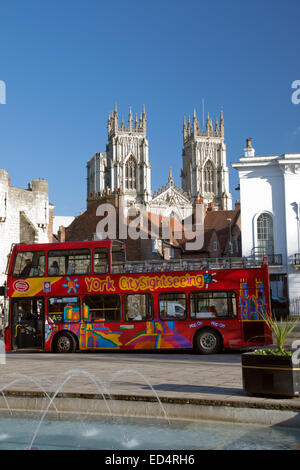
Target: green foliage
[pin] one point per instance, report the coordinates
(281, 329)
(272, 352)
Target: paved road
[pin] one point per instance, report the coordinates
(173, 375)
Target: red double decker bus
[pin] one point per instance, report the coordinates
(84, 296)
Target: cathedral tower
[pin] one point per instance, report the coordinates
(204, 173)
(125, 164)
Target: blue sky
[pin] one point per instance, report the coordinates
(65, 63)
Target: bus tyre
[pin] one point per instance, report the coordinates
(65, 343)
(208, 341)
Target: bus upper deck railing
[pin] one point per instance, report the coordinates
(185, 265)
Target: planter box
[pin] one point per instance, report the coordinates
(270, 375)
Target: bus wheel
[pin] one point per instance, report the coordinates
(65, 343)
(208, 341)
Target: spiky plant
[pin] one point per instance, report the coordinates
(281, 330)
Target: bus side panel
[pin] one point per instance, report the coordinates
(229, 330)
(168, 334)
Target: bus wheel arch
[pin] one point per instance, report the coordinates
(64, 342)
(208, 340)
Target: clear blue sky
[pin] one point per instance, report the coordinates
(66, 62)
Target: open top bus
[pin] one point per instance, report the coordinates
(85, 296)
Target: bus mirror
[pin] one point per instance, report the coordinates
(2, 290)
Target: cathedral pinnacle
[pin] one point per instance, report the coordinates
(195, 123)
(130, 119)
(136, 124)
(209, 126)
(222, 123)
(189, 126)
(144, 119)
(116, 125)
(184, 128)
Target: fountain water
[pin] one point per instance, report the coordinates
(117, 432)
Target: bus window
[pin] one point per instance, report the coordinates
(103, 307)
(64, 309)
(100, 257)
(138, 307)
(212, 304)
(29, 264)
(172, 306)
(118, 256)
(69, 262)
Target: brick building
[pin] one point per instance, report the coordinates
(221, 232)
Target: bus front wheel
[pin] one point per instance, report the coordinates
(65, 343)
(208, 341)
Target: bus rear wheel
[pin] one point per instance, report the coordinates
(65, 343)
(208, 341)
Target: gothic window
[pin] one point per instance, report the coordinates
(130, 173)
(265, 239)
(209, 176)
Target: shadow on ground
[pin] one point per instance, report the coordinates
(204, 389)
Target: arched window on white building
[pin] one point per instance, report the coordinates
(265, 236)
(130, 173)
(209, 178)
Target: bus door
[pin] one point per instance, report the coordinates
(253, 310)
(27, 323)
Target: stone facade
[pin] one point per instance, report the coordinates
(25, 216)
(125, 164)
(171, 201)
(125, 168)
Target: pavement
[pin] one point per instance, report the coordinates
(181, 377)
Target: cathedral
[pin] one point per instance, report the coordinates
(125, 168)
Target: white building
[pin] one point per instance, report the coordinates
(24, 216)
(270, 209)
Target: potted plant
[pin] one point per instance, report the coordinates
(273, 371)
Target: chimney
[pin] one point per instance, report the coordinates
(61, 234)
(249, 151)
